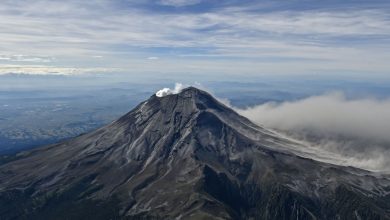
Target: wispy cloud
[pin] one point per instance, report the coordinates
(240, 33)
(51, 70)
(26, 58)
(179, 3)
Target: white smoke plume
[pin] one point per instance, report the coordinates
(167, 91)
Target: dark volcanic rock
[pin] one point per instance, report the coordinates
(184, 156)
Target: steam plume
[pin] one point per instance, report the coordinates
(167, 91)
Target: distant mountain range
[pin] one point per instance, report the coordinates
(184, 156)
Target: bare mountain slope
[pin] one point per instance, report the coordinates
(184, 156)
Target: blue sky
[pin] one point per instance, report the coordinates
(195, 36)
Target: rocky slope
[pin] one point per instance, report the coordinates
(184, 156)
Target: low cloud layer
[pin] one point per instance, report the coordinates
(167, 91)
(331, 113)
(357, 131)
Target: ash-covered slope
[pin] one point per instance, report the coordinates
(184, 156)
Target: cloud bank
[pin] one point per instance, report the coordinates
(354, 132)
(330, 113)
(167, 91)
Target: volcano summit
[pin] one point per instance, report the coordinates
(184, 156)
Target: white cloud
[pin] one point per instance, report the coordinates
(306, 41)
(26, 58)
(348, 132)
(50, 70)
(331, 113)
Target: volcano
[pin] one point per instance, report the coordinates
(184, 156)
